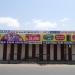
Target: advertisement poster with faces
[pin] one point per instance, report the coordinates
(11, 37)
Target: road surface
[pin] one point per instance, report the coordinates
(34, 69)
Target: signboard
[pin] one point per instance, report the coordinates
(60, 37)
(20, 38)
(32, 37)
(11, 37)
(36, 37)
(48, 37)
(73, 37)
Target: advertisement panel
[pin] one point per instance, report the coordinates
(60, 37)
(33, 38)
(1, 36)
(73, 37)
(11, 38)
(48, 37)
(54, 37)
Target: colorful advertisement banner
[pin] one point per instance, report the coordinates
(11, 37)
(35, 38)
(20, 38)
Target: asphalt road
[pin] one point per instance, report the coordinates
(34, 69)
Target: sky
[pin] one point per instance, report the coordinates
(51, 15)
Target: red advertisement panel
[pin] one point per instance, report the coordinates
(32, 37)
(59, 37)
(73, 37)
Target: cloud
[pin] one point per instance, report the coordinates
(41, 25)
(65, 20)
(37, 24)
(8, 21)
